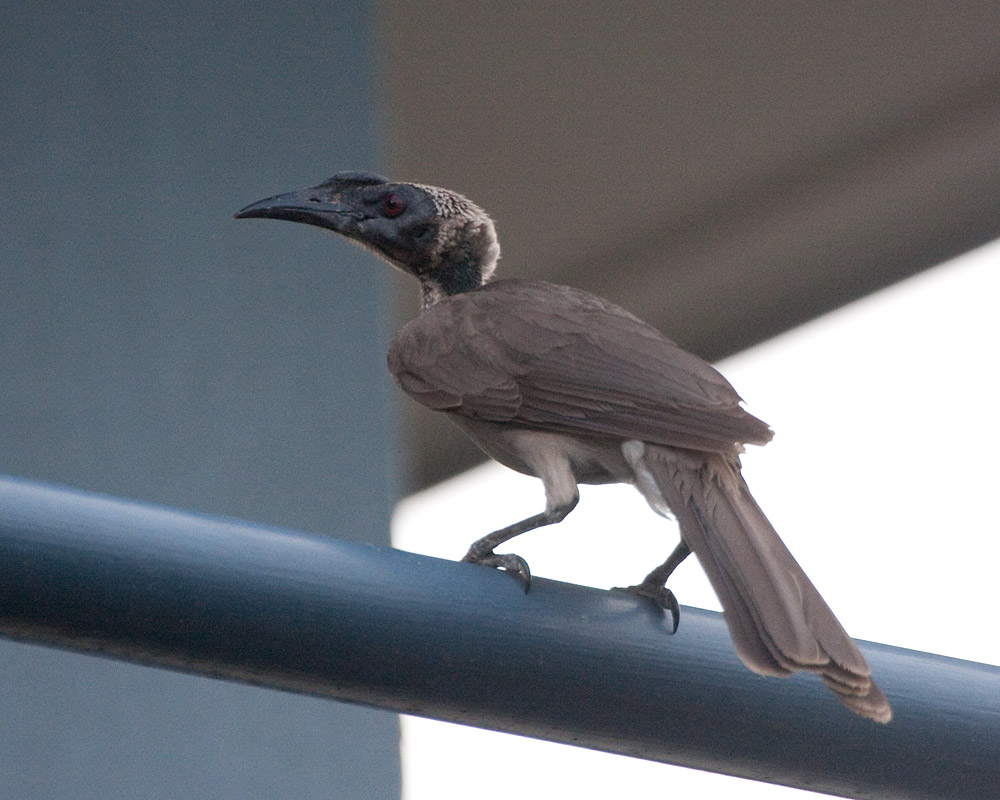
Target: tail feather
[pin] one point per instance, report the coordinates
(777, 619)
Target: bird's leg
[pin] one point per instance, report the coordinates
(481, 551)
(660, 575)
(561, 497)
(654, 586)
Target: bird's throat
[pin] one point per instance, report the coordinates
(453, 276)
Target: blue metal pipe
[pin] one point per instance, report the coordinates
(456, 642)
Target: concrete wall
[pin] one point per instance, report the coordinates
(154, 348)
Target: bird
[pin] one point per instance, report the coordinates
(562, 385)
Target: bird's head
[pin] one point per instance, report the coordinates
(440, 237)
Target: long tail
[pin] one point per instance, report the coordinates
(777, 619)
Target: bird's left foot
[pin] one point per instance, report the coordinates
(505, 561)
(661, 595)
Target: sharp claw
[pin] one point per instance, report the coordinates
(508, 562)
(675, 612)
(661, 595)
(521, 568)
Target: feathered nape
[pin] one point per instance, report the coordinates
(467, 246)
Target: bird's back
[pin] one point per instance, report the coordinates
(547, 356)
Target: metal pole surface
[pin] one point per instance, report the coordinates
(462, 643)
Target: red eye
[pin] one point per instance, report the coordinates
(393, 205)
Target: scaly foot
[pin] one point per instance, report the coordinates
(661, 595)
(506, 561)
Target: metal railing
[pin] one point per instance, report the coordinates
(419, 635)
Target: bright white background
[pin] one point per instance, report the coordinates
(882, 479)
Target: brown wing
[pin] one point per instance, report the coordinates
(554, 358)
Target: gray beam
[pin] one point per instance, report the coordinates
(439, 639)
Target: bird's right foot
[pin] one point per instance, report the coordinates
(660, 595)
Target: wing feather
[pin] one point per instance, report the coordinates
(557, 358)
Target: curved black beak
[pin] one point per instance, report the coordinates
(314, 206)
